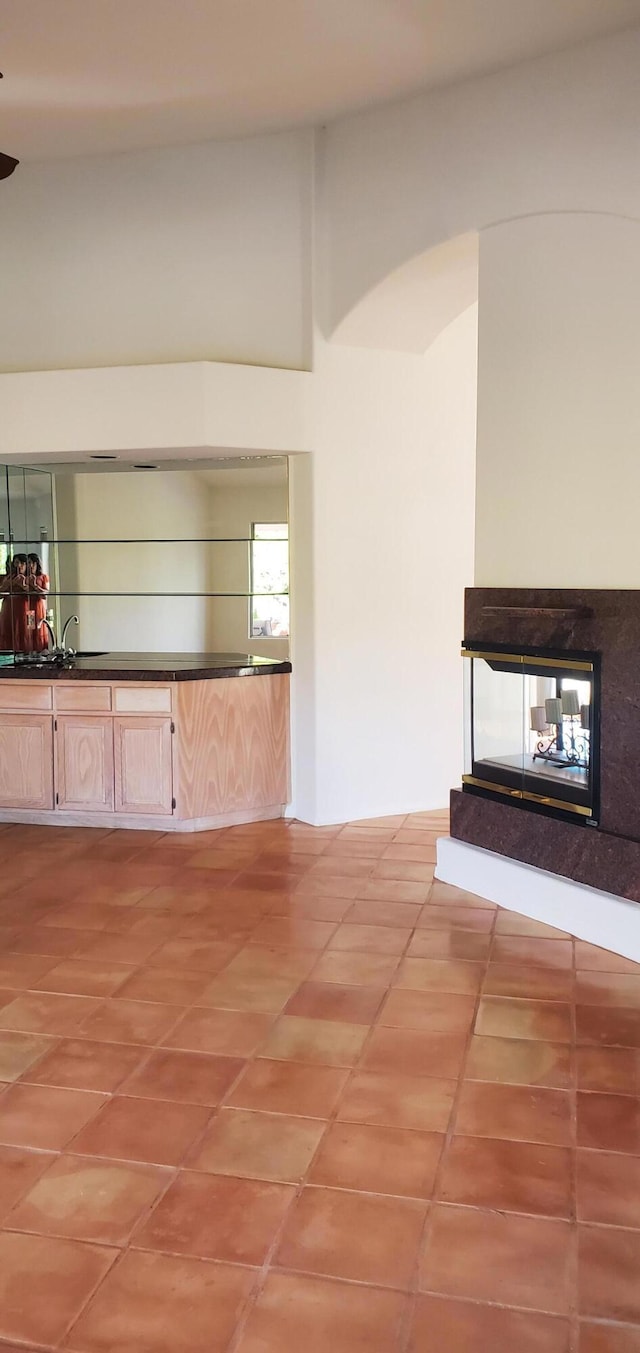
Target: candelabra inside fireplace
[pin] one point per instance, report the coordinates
(532, 728)
(564, 726)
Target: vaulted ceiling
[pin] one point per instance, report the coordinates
(93, 76)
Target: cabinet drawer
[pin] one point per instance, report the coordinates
(82, 698)
(25, 695)
(142, 699)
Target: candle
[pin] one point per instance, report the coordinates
(553, 710)
(570, 703)
(538, 718)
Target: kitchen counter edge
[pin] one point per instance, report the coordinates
(149, 667)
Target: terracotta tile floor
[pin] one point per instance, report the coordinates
(273, 1090)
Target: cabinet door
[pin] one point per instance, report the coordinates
(26, 761)
(144, 765)
(84, 762)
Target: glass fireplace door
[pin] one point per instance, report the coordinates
(531, 729)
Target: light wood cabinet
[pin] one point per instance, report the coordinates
(84, 762)
(26, 761)
(143, 764)
(183, 756)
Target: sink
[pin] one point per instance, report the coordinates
(55, 659)
(34, 660)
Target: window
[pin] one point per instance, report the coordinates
(269, 601)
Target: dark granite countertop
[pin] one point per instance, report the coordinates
(148, 667)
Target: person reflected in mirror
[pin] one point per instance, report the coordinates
(38, 586)
(13, 587)
(24, 589)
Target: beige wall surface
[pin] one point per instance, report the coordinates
(558, 469)
(232, 512)
(127, 508)
(167, 255)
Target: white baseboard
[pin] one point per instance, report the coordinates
(159, 822)
(600, 918)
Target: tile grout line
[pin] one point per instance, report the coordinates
(267, 1267)
(573, 1271)
(125, 1248)
(414, 1292)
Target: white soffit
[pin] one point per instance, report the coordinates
(191, 410)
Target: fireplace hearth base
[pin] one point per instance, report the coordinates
(591, 856)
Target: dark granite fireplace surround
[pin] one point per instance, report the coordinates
(568, 621)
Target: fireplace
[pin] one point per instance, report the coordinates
(552, 732)
(532, 729)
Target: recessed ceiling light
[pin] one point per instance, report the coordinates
(145, 467)
(103, 457)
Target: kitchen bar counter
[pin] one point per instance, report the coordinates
(148, 667)
(167, 741)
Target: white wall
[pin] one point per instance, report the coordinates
(159, 256)
(556, 134)
(393, 550)
(146, 506)
(558, 468)
(232, 512)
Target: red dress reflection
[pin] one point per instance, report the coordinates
(24, 606)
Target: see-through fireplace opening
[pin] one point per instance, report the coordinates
(532, 724)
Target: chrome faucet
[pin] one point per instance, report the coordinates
(55, 651)
(44, 624)
(68, 652)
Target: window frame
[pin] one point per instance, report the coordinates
(261, 525)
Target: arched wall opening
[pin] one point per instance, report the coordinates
(411, 306)
(386, 546)
(556, 134)
(399, 490)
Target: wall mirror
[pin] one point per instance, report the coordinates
(184, 557)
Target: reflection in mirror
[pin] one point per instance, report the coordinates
(26, 554)
(175, 560)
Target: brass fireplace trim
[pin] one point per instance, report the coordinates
(527, 796)
(573, 664)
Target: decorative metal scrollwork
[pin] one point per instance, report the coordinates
(569, 745)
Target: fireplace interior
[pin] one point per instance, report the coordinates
(532, 724)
